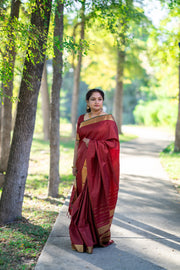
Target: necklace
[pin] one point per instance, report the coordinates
(90, 114)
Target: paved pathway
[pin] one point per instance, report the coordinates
(146, 225)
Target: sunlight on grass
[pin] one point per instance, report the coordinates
(126, 137)
(65, 129)
(170, 161)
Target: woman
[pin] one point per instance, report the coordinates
(96, 167)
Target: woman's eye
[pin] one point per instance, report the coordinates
(93, 99)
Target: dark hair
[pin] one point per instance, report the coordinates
(89, 94)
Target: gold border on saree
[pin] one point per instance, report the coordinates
(84, 174)
(79, 248)
(97, 119)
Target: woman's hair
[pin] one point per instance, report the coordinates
(89, 94)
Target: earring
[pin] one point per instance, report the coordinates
(88, 107)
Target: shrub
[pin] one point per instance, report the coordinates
(156, 113)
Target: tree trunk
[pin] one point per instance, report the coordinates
(0, 125)
(77, 71)
(14, 186)
(6, 126)
(45, 103)
(177, 134)
(55, 102)
(118, 97)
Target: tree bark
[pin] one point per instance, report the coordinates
(118, 97)
(177, 133)
(14, 186)
(77, 71)
(6, 125)
(0, 125)
(45, 103)
(55, 102)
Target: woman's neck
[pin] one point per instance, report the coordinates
(95, 113)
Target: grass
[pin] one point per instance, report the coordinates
(126, 137)
(21, 242)
(170, 161)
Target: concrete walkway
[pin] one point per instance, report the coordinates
(146, 225)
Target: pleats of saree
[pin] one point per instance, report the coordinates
(83, 231)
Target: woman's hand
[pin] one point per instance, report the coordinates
(86, 140)
(74, 171)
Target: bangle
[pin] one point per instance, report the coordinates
(73, 167)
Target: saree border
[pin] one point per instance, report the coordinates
(96, 119)
(84, 174)
(79, 248)
(77, 137)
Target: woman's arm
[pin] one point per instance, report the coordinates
(74, 169)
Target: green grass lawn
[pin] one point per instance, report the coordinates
(126, 137)
(171, 163)
(21, 242)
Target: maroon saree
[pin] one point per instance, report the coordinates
(94, 195)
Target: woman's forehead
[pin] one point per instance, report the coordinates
(96, 95)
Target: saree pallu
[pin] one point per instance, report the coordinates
(94, 195)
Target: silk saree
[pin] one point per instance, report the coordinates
(95, 190)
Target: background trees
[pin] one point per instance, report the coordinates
(55, 100)
(77, 65)
(124, 53)
(8, 62)
(177, 134)
(45, 103)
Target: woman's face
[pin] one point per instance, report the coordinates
(95, 102)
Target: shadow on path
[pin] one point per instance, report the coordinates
(146, 222)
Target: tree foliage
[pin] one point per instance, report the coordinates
(161, 62)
